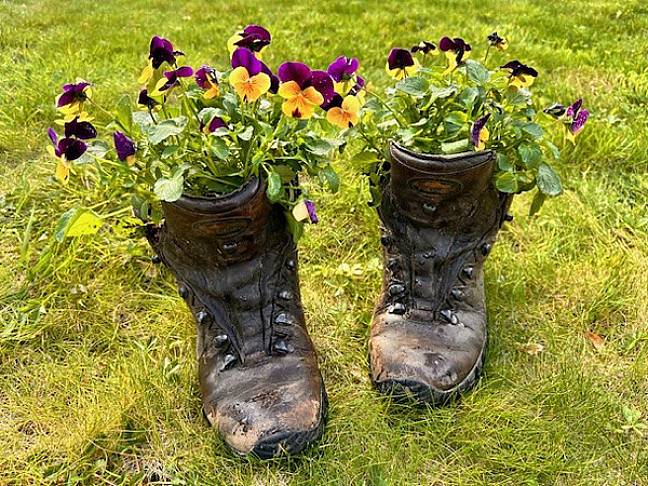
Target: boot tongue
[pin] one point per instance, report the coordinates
(221, 230)
(440, 190)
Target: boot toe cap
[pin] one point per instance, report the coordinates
(429, 362)
(274, 408)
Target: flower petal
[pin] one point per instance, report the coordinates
(244, 57)
(295, 71)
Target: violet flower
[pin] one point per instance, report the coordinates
(125, 147)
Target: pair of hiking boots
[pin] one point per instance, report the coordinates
(236, 267)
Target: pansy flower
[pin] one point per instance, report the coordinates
(479, 133)
(556, 110)
(456, 51)
(521, 75)
(305, 211)
(125, 148)
(324, 84)
(499, 43)
(65, 150)
(301, 97)
(71, 101)
(343, 72)
(213, 125)
(206, 79)
(346, 115)
(160, 51)
(425, 47)
(253, 37)
(401, 64)
(247, 78)
(171, 80)
(144, 99)
(577, 116)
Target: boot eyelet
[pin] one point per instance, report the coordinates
(450, 316)
(228, 361)
(468, 272)
(285, 295)
(183, 291)
(429, 208)
(397, 308)
(230, 247)
(486, 248)
(282, 348)
(220, 340)
(156, 259)
(283, 318)
(457, 294)
(291, 265)
(202, 317)
(396, 289)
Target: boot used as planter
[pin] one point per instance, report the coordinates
(236, 267)
(440, 215)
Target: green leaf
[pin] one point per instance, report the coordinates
(364, 158)
(503, 162)
(507, 182)
(247, 133)
(165, 129)
(414, 86)
(125, 114)
(295, 227)
(533, 129)
(319, 147)
(219, 148)
(169, 189)
(332, 178)
(142, 119)
(169, 151)
(476, 72)
(548, 180)
(206, 115)
(536, 204)
(274, 187)
(77, 222)
(531, 155)
(455, 147)
(468, 97)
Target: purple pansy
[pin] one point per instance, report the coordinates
(254, 38)
(160, 51)
(124, 146)
(519, 69)
(578, 116)
(336, 101)
(73, 93)
(312, 213)
(204, 76)
(83, 130)
(245, 57)
(302, 75)
(477, 127)
(357, 87)
(173, 77)
(145, 100)
(457, 45)
(67, 148)
(424, 47)
(215, 124)
(399, 59)
(343, 68)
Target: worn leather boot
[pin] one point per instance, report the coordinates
(236, 267)
(440, 216)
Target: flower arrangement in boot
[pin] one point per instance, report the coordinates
(445, 149)
(447, 102)
(205, 131)
(211, 161)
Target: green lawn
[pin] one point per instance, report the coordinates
(97, 372)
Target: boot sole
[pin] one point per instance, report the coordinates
(409, 390)
(285, 443)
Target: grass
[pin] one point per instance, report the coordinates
(97, 373)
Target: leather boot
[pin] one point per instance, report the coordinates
(440, 216)
(236, 267)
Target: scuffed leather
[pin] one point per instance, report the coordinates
(440, 216)
(236, 267)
